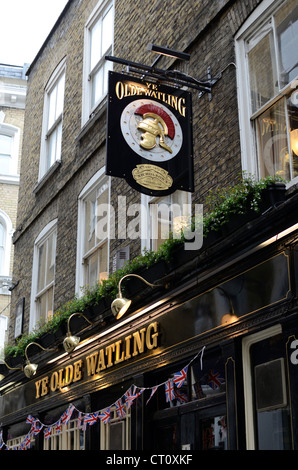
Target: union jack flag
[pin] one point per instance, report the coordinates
(153, 390)
(214, 379)
(180, 377)
(90, 419)
(120, 408)
(67, 414)
(35, 428)
(181, 397)
(105, 415)
(27, 441)
(80, 418)
(130, 396)
(58, 427)
(30, 420)
(169, 386)
(47, 432)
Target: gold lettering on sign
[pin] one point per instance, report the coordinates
(126, 89)
(120, 351)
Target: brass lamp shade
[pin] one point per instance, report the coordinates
(120, 306)
(30, 370)
(70, 342)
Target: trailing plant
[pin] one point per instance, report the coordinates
(245, 196)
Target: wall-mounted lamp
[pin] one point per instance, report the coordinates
(120, 305)
(169, 52)
(70, 341)
(30, 369)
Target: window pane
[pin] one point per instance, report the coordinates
(5, 154)
(272, 131)
(97, 86)
(287, 34)
(50, 268)
(102, 213)
(60, 96)
(92, 269)
(214, 433)
(90, 223)
(262, 72)
(46, 262)
(41, 267)
(107, 31)
(95, 44)
(103, 274)
(2, 234)
(52, 107)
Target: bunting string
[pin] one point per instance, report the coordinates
(122, 405)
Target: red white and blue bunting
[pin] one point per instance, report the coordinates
(122, 405)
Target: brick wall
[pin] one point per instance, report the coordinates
(205, 29)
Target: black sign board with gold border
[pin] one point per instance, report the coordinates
(149, 135)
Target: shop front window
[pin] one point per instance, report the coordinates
(70, 437)
(267, 75)
(116, 434)
(214, 433)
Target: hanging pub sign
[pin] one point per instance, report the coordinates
(149, 135)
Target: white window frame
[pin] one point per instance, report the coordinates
(248, 381)
(100, 10)
(148, 223)
(14, 132)
(42, 237)
(44, 151)
(62, 440)
(94, 182)
(248, 140)
(105, 429)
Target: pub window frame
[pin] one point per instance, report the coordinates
(49, 231)
(12, 132)
(253, 31)
(149, 222)
(52, 130)
(97, 181)
(105, 430)
(63, 438)
(90, 71)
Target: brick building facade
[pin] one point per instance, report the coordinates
(239, 126)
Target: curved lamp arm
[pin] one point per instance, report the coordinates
(73, 315)
(11, 368)
(139, 277)
(36, 344)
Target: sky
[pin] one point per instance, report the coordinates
(24, 26)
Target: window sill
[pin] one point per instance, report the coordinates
(10, 179)
(47, 176)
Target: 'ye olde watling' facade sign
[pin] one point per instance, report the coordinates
(149, 135)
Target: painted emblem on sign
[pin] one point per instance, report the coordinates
(151, 130)
(152, 177)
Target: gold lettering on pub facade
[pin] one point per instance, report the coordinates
(125, 89)
(122, 350)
